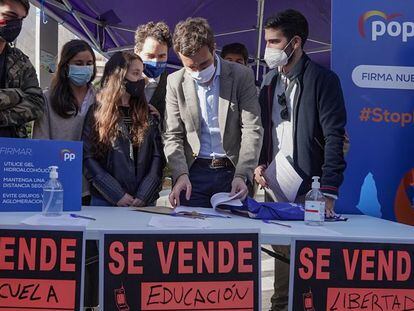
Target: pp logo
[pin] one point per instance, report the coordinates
(383, 24)
(67, 155)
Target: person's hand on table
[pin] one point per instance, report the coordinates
(259, 176)
(329, 207)
(138, 202)
(183, 184)
(126, 200)
(239, 186)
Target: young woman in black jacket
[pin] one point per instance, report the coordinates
(123, 158)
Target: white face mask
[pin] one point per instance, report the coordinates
(276, 57)
(204, 75)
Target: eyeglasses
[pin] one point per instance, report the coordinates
(284, 112)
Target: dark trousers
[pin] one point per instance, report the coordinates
(205, 182)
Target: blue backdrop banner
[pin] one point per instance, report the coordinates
(372, 52)
(24, 169)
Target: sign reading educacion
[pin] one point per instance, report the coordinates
(214, 271)
(342, 276)
(40, 269)
(24, 169)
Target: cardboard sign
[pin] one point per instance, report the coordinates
(191, 271)
(41, 269)
(24, 169)
(342, 276)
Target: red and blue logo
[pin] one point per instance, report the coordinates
(67, 155)
(385, 25)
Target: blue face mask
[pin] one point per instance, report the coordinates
(80, 75)
(154, 69)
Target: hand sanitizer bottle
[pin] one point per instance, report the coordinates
(52, 194)
(315, 205)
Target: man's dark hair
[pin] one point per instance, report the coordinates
(191, 35)
(235, 48)
(159, 31)
(291, 23)
(25, 3)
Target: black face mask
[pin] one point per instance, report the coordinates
(10, 31)
(135, 88)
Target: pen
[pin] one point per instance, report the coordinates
(214, 215)
(276, 223)
(195, 214)
(80, 216)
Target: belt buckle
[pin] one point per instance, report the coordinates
(218, 166)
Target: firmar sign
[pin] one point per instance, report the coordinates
(24, 169)
(382, 25)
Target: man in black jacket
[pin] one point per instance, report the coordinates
(152, 42)
(303, 116)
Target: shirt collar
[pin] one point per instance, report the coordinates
(152, 80)
(216, 75)
(298, 68)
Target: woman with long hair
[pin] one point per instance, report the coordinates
(68, 100)
(123, 156)
(70, 94)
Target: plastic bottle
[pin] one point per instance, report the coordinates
(315, 205)
(52, 194)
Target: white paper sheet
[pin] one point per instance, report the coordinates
(299, 228)
(224, 198)
(62, 220)
(283, 180)
(178, 222)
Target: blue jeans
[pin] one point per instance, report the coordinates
(97, 201)
(205, 182)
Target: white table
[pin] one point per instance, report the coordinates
(358, 226)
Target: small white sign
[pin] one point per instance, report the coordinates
(384, 77)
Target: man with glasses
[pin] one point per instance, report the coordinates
(21, 99)
(303, 116)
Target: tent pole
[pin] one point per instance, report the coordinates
(260, 13)
(112, 36)
(63, 23)
(234, 32)
(83, 25)
(320, 42)
(105, 26)
(66, 9)
(121, 48)
(121, 28)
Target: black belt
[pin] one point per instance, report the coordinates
(216, 163)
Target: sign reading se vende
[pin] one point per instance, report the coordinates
(41, 269)
(346, 275)
(180, 271)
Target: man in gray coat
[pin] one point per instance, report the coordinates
(213, 130)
